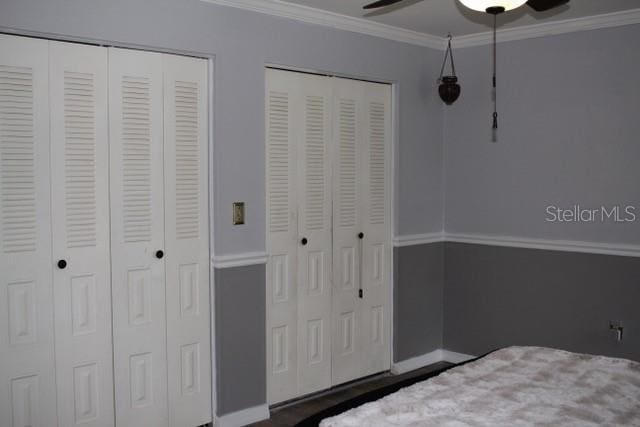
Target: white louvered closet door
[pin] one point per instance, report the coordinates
(80, 217)
(282, 96)
(27, 364)
(375, 213)
(137, 236)
(347, 355)
(312, 117)
(187, 240)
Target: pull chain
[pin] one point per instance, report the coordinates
(495, 92)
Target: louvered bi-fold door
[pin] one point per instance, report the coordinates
(347, 354)
(375, 213)
(27, 363)
(137, 237)
(313, 138)
(80, 217)
(282, 236)
(187, 240)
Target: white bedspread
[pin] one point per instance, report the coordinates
(516, 386)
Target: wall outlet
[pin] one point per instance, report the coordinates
(616, 327)
(238, 213)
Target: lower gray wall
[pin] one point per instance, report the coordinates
(417, 300)
(500, 296)
(240, 338)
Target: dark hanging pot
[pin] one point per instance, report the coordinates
(449, 89)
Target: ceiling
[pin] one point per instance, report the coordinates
(441, 17)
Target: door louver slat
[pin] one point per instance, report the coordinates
(278, 162)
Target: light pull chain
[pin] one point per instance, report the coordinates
(495, 92)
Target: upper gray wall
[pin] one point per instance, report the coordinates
(569, 132)
(243, 42)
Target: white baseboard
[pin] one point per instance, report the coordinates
(453, 357)
(244, 417)
(435, 356)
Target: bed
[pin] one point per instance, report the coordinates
(515, 386)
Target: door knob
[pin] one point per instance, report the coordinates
(304, 241)
(361, 235)
(62, 264)
(159, 254)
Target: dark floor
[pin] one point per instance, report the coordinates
(289, 414)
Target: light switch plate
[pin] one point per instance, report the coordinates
(238, 213)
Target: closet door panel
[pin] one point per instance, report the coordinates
(137, 236)
(80, 217)
(346, 348)
(282, 89)
(375, 215)
(314, 225)
(27, 363)
(187, 240)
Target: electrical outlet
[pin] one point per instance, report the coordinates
(238, 213)
(616, 327)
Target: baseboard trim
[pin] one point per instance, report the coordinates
(239, 260)
(439, 355)
(244, 417)
(453, 357)
(617, 249)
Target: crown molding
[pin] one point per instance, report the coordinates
(551, 28)
(364, 26)
(334, 20)
(239, 260)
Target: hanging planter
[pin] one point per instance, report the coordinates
(448, 88)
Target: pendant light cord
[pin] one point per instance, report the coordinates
(448, 53)
(495, 92)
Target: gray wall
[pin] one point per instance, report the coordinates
(498, 296)
(243, 42)
(240, 337)
(417, 300)
(568, 135)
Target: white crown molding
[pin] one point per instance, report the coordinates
(239, 260)
(364, 26)
(418, 239)
(334, 20)
(551, 28)
(243, 417)
(546, 244)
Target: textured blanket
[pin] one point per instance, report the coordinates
(516, 386)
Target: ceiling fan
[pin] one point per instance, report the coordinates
(493, 7)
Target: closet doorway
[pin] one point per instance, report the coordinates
(328, 144)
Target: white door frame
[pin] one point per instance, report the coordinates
(210, 58)
(391, 174)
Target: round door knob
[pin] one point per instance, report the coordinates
(304, 241)
(159, 254)
(62, 264)
(361, 235)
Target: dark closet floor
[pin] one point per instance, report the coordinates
(288, 415)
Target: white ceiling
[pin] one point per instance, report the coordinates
(440, 17)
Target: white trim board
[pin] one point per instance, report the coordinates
(239, 260)
(364, 26)
(521, 242)
(435, 356)
(243, 417)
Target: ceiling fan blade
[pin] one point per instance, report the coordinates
(381, 3)
(542, 5)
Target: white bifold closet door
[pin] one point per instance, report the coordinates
(80, 218)
(328, 289)
(361, 230)
(159, 238)
(299, 227)
(27, 361)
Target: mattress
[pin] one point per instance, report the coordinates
(515, 386)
